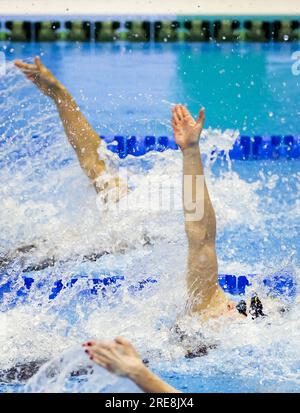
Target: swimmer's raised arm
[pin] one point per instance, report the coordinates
(121, 358)
(205, 295)
(80, 134)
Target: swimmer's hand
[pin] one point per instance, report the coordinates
(41, 76)
(186, 130)
(121, 358)
(118, 356)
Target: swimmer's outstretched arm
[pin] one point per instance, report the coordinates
(121, 358)
(81, 135)
(205, 295)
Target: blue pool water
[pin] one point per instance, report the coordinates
(245, 86)
(47, 202)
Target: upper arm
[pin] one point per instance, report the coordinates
(202, 275)
(203, 231)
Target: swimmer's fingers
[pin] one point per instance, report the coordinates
(104, 344)
(123, 341)
(109, 362)
(111, 349)
(174, 124)
(26, 67)
(184, 110)
(181, 113)
(175, 117)
(185, 113)
(88, 343)
(100, 360)
(126, 346)
(39, 64)
(201, 116)
(101, 352)
(31, 68)
(30, 71)
(99, 347)
(98, 351)
(178, 113)
(23, 65)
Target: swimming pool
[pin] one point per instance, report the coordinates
(128, 89)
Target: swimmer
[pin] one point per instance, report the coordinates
(206, 299)
(205, 296)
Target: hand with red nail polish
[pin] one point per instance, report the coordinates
(121, 358)
(117, 356)
(87, 344)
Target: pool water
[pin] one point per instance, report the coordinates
(245, 86)
(48, 202)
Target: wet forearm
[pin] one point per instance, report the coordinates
(192, 164)
(149, 382)
(195, 195)
(78, 130)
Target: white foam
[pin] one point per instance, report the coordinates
(55, 209)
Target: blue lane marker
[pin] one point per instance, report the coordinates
(278, 284)
(244, 148)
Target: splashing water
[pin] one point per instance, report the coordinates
(72, 363)
(49, 210)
